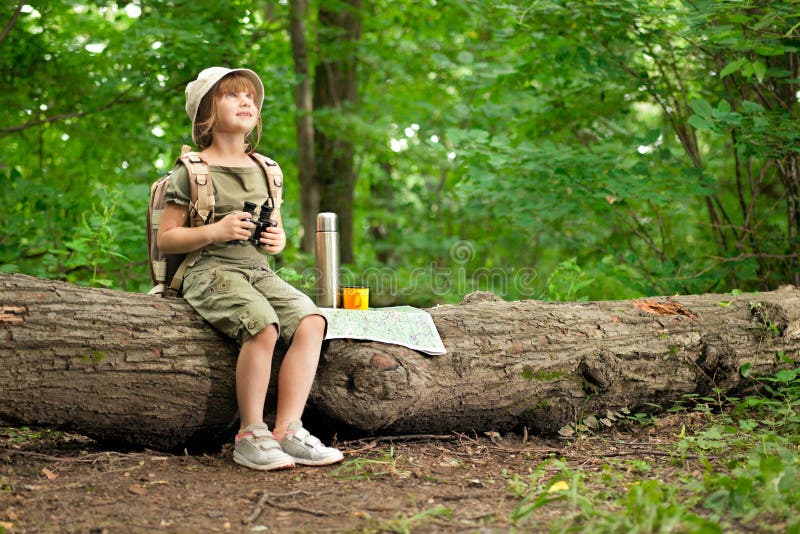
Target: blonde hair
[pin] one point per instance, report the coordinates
(206, 119)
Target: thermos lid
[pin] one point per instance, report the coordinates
(326, 222)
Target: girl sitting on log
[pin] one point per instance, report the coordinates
(231, 285)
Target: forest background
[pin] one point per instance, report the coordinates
(553, 149)
(542, 149)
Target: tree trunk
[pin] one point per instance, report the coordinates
(335, 88)
(124, 367)
(306, 164)
(148, 371)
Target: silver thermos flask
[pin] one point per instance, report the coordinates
(327, 261)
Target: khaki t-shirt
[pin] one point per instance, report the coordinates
(232, 186)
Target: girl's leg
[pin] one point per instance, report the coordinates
(297, 372)
(252, 375)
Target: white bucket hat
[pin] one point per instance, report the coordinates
(197, 89)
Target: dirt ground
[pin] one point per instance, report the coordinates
(62, 482)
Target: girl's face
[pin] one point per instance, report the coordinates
(236, 112)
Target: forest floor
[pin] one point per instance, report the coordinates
(62, 482)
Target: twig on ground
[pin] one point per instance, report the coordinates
(543, 450)
(412, 437)
(86, 458)
(642, 452)
(368, 446)
(264, 501)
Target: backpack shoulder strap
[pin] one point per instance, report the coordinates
(180, 273)
(201, 209)
(274, 178)
(201, 205)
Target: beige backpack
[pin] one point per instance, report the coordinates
(167, 270)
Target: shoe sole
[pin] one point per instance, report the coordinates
(318, 463)
(274, 466)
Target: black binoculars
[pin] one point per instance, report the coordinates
(263, 222)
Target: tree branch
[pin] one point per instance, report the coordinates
(11, 21)
(64, 116)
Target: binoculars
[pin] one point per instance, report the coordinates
(263, 221)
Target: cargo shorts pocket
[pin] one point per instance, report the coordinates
(210, 283)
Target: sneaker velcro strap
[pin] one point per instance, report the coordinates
(260, 433)
(304, 436)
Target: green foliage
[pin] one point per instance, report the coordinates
(567, 282)
(579, 150)
(646, 506)
(367, 468)
(780, 404)
(766, 482)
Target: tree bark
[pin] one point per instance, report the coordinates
(336, 88)
(121, 367)
(306, 164)
(147, 371)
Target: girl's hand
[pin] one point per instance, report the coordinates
(235, 226)
(273, 239)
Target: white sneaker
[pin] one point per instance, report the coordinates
(256, 448)
(306, 449)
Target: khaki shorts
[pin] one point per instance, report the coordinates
(242, 301)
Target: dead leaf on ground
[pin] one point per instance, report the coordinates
(494, 436)
(663, 308)
(136, 489)
(566, 431)
(49, 474)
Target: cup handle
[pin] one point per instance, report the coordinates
(357, 301)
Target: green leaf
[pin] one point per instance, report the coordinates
(701, 106)
(759, 69)
(745, 370)
(732, 67)
(723, 106)
(786, 375)
(699, 122)
(751, 107)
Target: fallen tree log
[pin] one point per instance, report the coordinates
(147, 371)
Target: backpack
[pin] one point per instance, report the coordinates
(167, 270)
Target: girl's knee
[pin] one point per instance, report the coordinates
(312, 323)
(266, 337)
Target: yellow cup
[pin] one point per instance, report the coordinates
(355, 297)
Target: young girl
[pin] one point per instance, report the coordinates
(231, 284)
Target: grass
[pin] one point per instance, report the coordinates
(738, 471)
(403, 523)
(385, 465)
